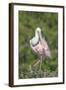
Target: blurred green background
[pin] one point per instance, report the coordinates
(28, 22)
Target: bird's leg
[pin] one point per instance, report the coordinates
(40, 65)
(36, 63)
(30, 67)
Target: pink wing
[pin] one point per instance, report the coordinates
(46, 48)
(38, 49)
(42, 48)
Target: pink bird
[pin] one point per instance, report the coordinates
(40, 46)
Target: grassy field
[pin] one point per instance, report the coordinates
(28, 22)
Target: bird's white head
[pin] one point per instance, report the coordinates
(38, 29)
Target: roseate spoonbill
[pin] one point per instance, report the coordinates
(40, 46)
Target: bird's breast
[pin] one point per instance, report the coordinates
(35, 41)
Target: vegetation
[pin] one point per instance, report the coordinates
(28, 22)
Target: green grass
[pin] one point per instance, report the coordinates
(28, 22)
